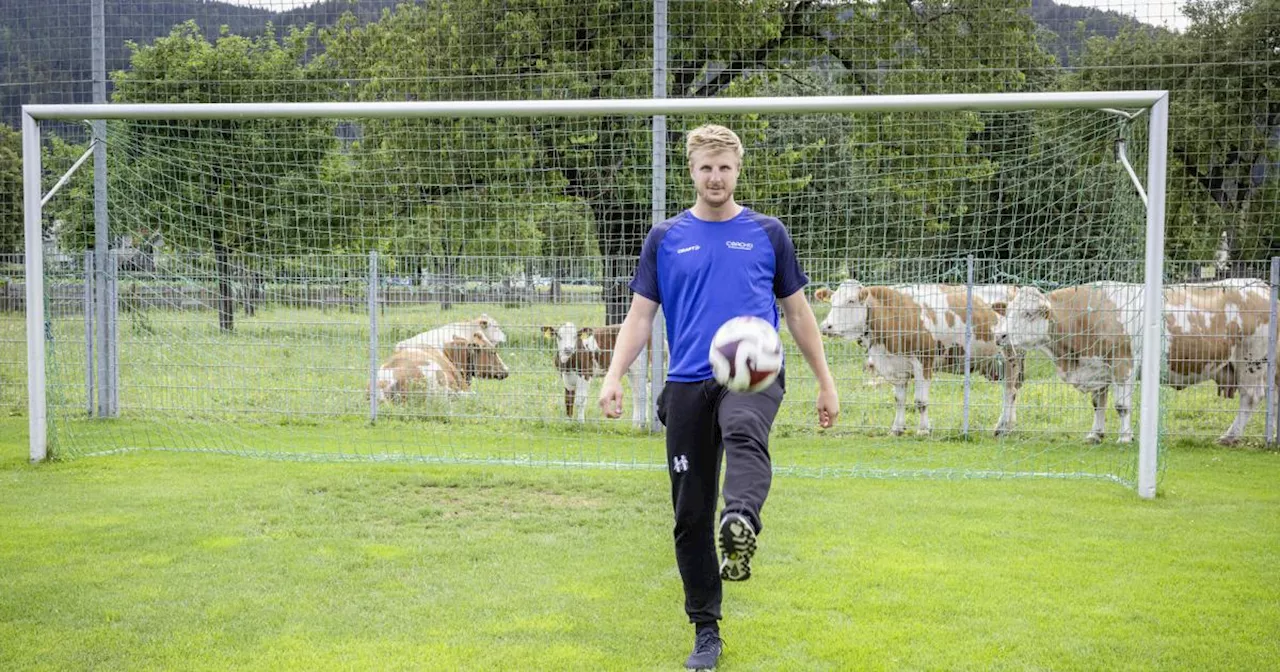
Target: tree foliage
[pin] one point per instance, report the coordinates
(11, 223)
(222, 186)
(1224, 125)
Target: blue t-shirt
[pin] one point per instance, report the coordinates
(704, 273)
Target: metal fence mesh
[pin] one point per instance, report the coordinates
(901, 200)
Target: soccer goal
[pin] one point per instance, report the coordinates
(410, 280)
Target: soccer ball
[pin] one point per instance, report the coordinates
(746, 354)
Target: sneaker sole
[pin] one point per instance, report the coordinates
(738, 542)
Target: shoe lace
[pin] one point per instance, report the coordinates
(706, 641)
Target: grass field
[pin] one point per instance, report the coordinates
(208, 560)
(162, 561)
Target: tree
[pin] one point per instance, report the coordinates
(527, 49)
(221, 186)
(11, 221)
(1224, 123)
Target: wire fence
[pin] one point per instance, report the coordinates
(313, 338)
(872, 201)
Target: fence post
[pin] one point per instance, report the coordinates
(111, 385)
(88, 331)
(373, 335)
(657, 332)
(1272, 427)
(968, 344)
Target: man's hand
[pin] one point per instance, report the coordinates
(828, 406)
(611, 397)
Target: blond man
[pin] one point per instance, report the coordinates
(712, 262)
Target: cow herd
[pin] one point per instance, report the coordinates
(1091, 333)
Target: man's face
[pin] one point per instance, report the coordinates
(715, 174)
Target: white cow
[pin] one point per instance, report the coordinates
(440, 336)
(911, 331)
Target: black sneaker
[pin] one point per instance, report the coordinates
(737, 543)
(706, 651)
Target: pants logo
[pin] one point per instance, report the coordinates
(679, 463)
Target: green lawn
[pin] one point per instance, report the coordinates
(165, 561)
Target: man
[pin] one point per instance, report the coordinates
(712, 262)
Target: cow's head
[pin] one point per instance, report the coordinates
(1026, 322)
(476, 357)
(848, 316)
(491, 330)
(570, 339)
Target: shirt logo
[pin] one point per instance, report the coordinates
(679, 463)
(691, 248)
(738, 245)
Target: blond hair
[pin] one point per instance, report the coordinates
(714, 138)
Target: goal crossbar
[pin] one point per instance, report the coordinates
(1157, 102)
(622, 106)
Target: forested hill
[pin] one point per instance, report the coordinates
(45, 48)
(1064, 28)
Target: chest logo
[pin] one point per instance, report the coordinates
(691, 248)
(738, 245)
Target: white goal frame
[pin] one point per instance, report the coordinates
(1156, 102)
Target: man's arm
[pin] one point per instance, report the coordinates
(804, 329)
(632, 337)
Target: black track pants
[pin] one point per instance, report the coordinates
(705, 421)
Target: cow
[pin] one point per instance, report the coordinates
(447, 369)
(1210, 331)
(441, 336)
(1092, 334)
(583, 353)
(1219, 332)
(912, 331)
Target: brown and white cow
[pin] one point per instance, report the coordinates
(1219, 332)
(1213, 331)
(441, 336)
(447, 369)
(583, 353)
(912, 331)
(1092, 333)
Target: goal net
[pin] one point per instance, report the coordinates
(288, 280)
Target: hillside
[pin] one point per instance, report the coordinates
(1065, 28)
(45, 47)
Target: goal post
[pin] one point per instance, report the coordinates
(1155, 102)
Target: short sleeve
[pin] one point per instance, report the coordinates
(788, 277)
(645, 282)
